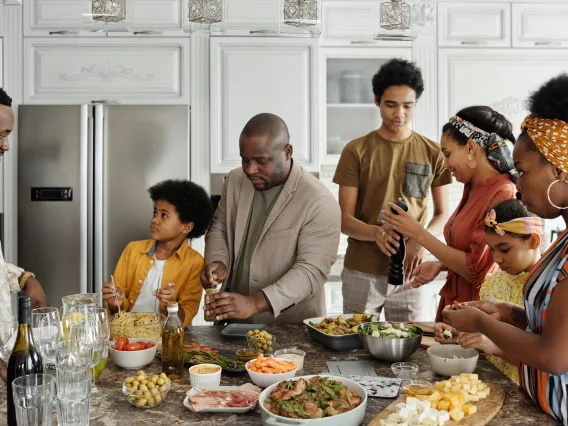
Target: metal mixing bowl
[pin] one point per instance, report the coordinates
(389, 348)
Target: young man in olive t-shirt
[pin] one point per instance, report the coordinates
(389, 163)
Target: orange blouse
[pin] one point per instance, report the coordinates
(465, 231)
(183, 269)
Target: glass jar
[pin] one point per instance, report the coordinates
(205, 11)
(109, 10)
(209, 291)
(352, 87)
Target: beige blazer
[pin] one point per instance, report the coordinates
(296, 248)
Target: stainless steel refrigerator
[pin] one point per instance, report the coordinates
(83, 175)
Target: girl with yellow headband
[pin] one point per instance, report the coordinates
(540, 326)
(513, 235)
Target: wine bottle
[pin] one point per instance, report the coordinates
(172, 344)
(396, 261)
(25, 358)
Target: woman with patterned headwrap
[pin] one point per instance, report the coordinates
(475, 151)
(541, 326)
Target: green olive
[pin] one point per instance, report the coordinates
(157, 398)
(135, 383)
(129, 380)
(163, 388)
(140, 373)
(151, 401)
(141, 402)
(150, 385)
(155, 392)
(250, 333)
(161, 381)
(143, 387)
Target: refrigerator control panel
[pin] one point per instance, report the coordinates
(52, 194)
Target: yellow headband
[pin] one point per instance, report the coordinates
(550, 137)
(521, 225)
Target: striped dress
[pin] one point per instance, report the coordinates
(550, 392)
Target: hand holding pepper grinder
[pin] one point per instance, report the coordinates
(396, 261)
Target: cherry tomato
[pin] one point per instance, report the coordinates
(120, 344)
(149, 345)
(131, 347)
(140, 346)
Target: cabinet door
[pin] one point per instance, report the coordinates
(254, 75)
(346, 22)
(474, 24)
(142, 71)
(497, 78)
(540, 25)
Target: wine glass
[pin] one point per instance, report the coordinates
(8, 334)
(102, 321)
(45, 330)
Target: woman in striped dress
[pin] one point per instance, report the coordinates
(541, 326)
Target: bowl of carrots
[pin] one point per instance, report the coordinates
(265, 371)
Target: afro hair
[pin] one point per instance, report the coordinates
(398, 72)
(551, 99)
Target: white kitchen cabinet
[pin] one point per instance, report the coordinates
(72, 17)
(348, 22)
(333, 298)
(348, 110)
(251, 75)
(497, 78)
(543, 25)
(147, 70)
(474, 24)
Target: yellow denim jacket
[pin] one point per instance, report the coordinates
(183, 269)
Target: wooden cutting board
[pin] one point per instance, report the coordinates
(427, 341)
(486, 409)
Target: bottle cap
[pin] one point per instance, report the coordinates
(172, 306)
(24, 302)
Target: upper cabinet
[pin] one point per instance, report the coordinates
(73, 18)
(251, 75)
(474, 24)
(540, 25)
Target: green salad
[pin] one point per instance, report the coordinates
(401, 330)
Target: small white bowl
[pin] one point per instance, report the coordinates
(133, 360)
(443, 362)
(205, 380)
(295, 355)
(266, 379)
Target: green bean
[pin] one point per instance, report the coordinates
(203, 357)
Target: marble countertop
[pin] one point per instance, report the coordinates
(518, 409)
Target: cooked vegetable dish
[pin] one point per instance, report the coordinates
(340, 326)
(311, 399)
(391, 330)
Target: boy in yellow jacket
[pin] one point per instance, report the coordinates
(151, 273)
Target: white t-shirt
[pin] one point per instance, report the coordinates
(146, 301)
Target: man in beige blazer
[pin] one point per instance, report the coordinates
(274, 236)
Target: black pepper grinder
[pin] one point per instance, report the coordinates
(396, 261)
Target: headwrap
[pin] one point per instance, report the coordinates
(550, 137)
(522, 225)
(494, 145)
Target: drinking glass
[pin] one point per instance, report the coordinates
(45, 329)
(33, 399)
(73, 396)
(8, 334)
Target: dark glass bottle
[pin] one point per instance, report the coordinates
(396, 261)
(25, 358)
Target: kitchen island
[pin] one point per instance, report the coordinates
(518, 408)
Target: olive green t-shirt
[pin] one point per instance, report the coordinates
(384, 171)
(261, 205)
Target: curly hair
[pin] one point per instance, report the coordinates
(5, 99)
(398, 72)
(484, 118)
(191, 201)
(509, 210)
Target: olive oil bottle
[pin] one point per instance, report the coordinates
(172, 344)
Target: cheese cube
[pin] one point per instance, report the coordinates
(411, 402)
(422, 397)
(473, 376)
(423, 406)
(456, 379)
(443, 405)
(466, 386)
(394, 416)
(435, 396)
(481, 386)
(456, 414)
(469, 409)
(473, 398)
(443, 417)
(400, 405)
(487, 390)
(474, 390)
(482, 394)
(429, 422)
(440, 386)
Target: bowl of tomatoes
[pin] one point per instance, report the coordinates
(133, 353)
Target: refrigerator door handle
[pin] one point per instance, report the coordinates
(84, 184)
(98, 172)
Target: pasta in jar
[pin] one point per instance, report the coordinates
(137, 324)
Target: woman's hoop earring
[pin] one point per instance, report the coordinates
(548, 194)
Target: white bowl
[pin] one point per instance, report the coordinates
(266, 379)
(205, 380)
(354, 417)
(443, 363)
(133, 360)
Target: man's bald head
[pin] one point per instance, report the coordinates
(265, 150)
(269, 125)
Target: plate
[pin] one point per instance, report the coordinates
(240, 330)
(237, 410)
(224, 352)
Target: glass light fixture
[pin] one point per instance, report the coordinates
(301, 13)
(205, 11)
(109, 10)
(395, 15)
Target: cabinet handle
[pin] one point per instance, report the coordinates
(148, 32)
(473, 43)
(263, 32)
(63, 32)
(105, 102)
(362, 42)
(548, 43)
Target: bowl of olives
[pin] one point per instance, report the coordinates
(261, 340)
(146, 391)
